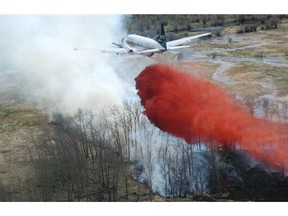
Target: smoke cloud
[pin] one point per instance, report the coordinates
(192, 108)
(40, 51)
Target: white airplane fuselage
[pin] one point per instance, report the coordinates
(137, 40)
(139, 43)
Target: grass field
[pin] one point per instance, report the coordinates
(260, 72)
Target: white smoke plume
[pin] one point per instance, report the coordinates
(50, 72)
(38, 52)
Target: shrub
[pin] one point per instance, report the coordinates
(218, 33)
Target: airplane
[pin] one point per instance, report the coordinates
(136, 44)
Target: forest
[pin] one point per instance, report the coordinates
(180, 25)
(118, 155)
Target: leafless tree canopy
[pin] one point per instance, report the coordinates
(109, 155)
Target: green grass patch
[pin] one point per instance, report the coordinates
(6, 112)
(14, 117)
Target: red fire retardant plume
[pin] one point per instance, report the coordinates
(193, 108)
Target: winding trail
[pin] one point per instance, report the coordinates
(219, 76)
(227, 62)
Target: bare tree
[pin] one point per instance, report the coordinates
(270, 109)
(163, 161)
(250, 102)
(148, 153)
(284, 111)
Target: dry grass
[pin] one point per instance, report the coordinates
(260, 72)
(202, 69)
(246, 89)
(16, 125)
(17, 121)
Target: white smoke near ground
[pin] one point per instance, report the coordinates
(170, 166)
(50, 72)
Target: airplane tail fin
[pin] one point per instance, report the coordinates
(161, 38)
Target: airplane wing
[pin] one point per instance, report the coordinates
(115, 50)
(178, 47)
(177, 44)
